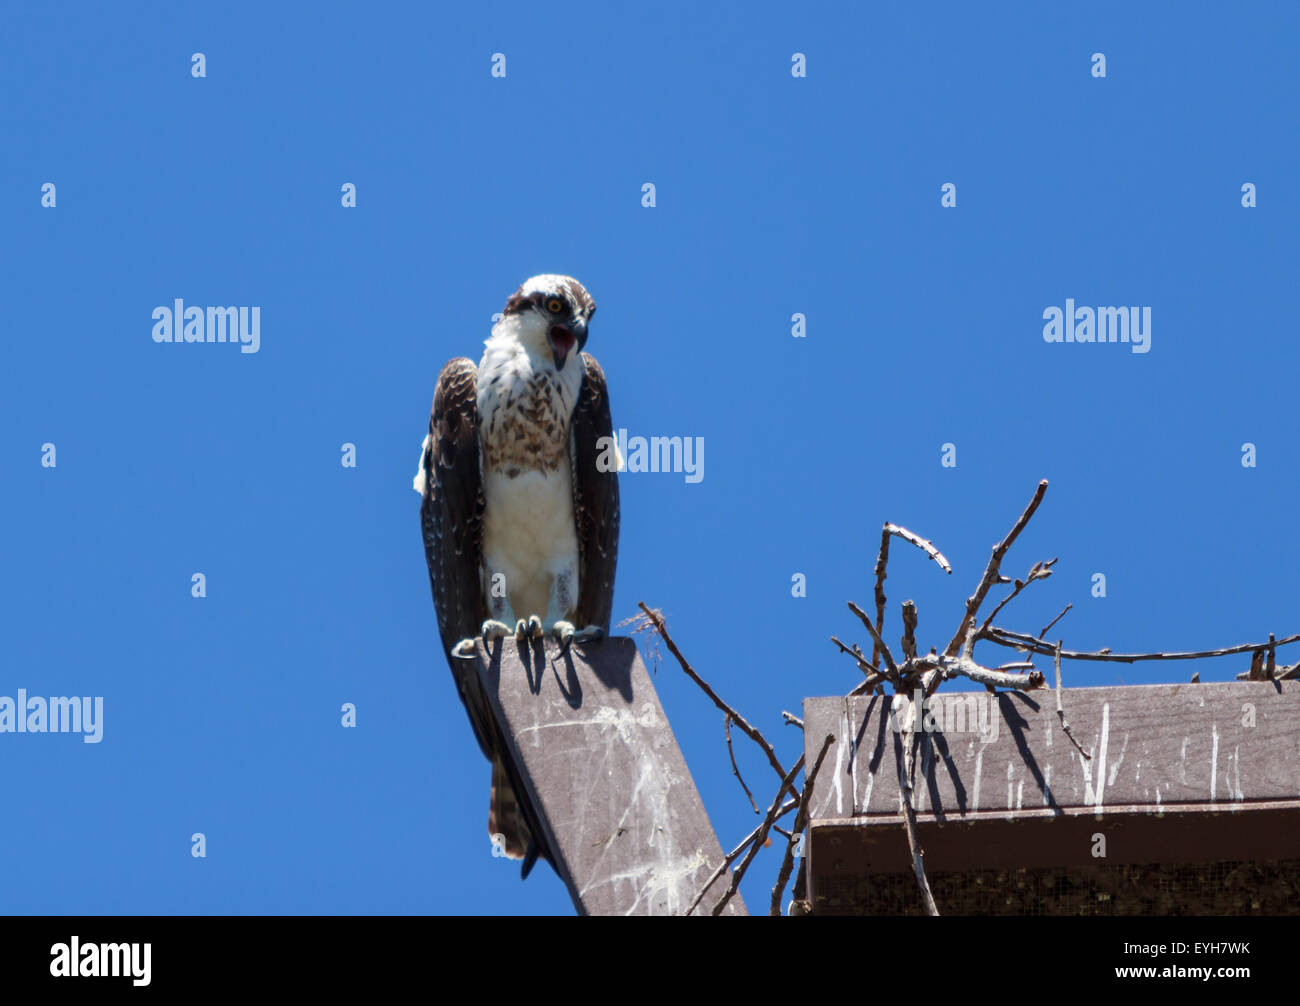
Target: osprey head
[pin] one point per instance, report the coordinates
(551, 312)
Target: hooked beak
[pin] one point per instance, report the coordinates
(562, 341)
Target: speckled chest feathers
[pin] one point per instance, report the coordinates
(525, 408)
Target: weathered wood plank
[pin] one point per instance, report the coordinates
(1179, 773)
(598, 756)
(1151, 744)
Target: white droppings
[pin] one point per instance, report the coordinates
(1214, 760)
(853, 768)
(1114, 769)
(871, 781)
(840, 755)
(1091, 798)
(622, 720)
(654, 881)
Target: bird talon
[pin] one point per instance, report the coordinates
(591, 634)
(464, 650)
(563, 631)
(493, 630)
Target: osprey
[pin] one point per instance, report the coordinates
(519, 509)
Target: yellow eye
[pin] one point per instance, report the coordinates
(554, 305)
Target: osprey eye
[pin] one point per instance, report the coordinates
(554, 305)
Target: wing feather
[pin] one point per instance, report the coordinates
(451, 515)
(595, 499)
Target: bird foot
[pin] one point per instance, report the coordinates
(493, 630)
(529, 628)
(561, 630)
(567, 634)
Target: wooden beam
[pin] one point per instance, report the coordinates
(1193, 773)
(616, 800)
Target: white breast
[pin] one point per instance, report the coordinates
(529, 535)
(528, 524)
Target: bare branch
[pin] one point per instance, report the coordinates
(773, 813)
(791, 720)
(657, 621)
(726, 722)
(1060, 710)
(857, 655)
(891, 668)
(965, 667)
(731, 857)
(1039, 571)
(874, 677)
(882, 560)
(991, 574)
(800, 822)
(921, 543)
(1032, 644)
(905, 759)
(1048, 627)
(909, 630)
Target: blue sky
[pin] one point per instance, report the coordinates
(775, 195)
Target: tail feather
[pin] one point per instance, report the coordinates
(506, 817)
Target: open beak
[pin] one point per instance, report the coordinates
(562, 341)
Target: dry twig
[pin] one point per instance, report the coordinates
(1033, 644)
(1060, 710)
(991, 571)
(909, 630)
(882, 561)
(657, 621)
(905, 760)
(1039, 571)
(891, 668)
(734, 854)
(773, 813)
(726, 723)
(800, 822)
(1048, 627)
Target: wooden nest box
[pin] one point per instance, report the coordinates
(1189, 803)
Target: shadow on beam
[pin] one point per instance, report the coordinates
(617, 803)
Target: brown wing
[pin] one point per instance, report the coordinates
(451, 515)
(595, 499)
